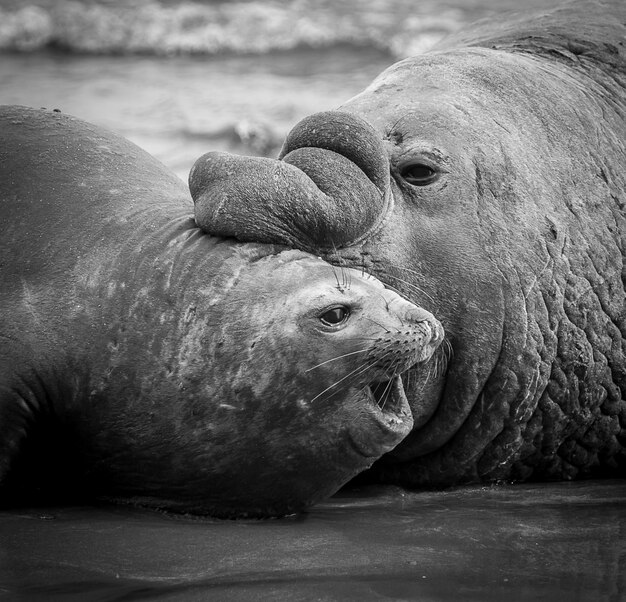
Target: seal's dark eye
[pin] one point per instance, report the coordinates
(418, 174)
(335, 316)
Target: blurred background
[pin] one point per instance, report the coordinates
(180, 77)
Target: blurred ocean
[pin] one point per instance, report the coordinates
(180, 78)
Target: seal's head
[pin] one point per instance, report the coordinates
(318, 334)
(287, 383)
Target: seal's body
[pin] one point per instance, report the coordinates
(485, 180)
(144, 360)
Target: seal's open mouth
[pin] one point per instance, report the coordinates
(391, 399)
(388, 410)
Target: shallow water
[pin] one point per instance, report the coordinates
(557, 541)
(178, 108)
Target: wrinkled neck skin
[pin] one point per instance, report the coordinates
(517, 249)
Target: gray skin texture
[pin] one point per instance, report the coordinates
(485, 181)
(145, 361)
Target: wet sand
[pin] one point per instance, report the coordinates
(554, 541)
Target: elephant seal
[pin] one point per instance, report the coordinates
(145, 361)
(484, 180)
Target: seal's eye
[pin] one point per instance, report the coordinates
(335, 316)
(418, 174)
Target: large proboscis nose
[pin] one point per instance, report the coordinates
(328, 188)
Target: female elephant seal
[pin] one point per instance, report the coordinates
(485, 180)
(145, 361)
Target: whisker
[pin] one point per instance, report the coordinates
(401, 267)
(357, 371)
(338, 358)
(344, 283)
(412, 286)
(332, 267)
(385, 301)
(362, 263)
(429, 374)
(440, 359)
(378, 324)
(440, 366)
(447, 353)
(387, 392)
(346, 276)
(403, 293)
(434, 368)
(409, 377)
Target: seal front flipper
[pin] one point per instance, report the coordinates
(32, 439)
(18, 409)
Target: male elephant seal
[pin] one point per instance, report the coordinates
(485, 180)
(143, 360)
